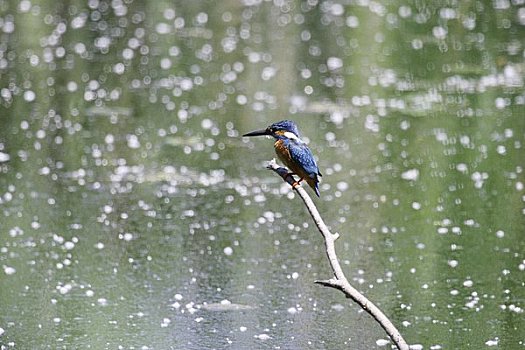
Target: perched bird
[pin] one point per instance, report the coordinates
(292, 151)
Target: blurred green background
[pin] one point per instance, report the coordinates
(135, 216)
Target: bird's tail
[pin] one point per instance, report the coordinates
(314, 184)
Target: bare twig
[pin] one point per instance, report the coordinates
(339, 280)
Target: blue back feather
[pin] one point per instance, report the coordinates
(301, 154)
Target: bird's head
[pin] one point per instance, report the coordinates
(283, 129)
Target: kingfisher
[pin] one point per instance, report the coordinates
(293, 151)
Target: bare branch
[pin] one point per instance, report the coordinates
(339, 280)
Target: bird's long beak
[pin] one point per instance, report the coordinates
(258, 133)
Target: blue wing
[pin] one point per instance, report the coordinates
(301, 154)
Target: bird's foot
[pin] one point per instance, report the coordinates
(297, 183)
